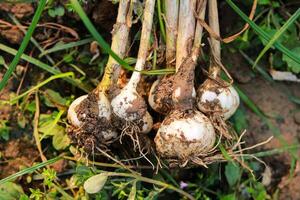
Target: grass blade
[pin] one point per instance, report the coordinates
(14, 19)
(263, 34)
(29, 170)
(91, 28)
(161, 22)
(13, 64)
(51, 78)
(257, 68)
(46, 67)
(66, 46)
(277, 35)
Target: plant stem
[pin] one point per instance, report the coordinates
(119, 43)
(199, 27)
(215, 45)
(161, 23)
(171, 33)
(186, 29)
(144, 43)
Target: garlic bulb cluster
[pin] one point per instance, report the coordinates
(185, 135)
(214, 98)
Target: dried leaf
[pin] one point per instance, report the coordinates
(95, 183)
(283, 76)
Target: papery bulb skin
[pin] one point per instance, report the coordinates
(151, 97)
(147, 123)
(183, 135)
(211, 97)
(129, 105)
(104, 106)
(72, 115)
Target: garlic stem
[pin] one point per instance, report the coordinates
(172, 7)
(213, 18)
(199, 27)
(144, 43)
(186, 30)
(119, 43)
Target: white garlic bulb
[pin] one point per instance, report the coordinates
(213, 97)
(183, 136)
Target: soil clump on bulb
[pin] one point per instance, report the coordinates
(91, 133)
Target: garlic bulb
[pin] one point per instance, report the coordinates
(104, 109)
(147, 123)
(215, 98)
(72, 115)
(129, 105)
(184, 135)
(211, 96)
(161, 107)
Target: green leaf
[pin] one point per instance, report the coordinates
(56, 11)
(232, 173)
(60, 139)
(51, 78)
(4, 130)
(62, 46)
(228, 197)
(46, 67)
(292, 65)
(240, 120)
(95, 183)
(262, 33)
(10, 191)
(2, 61)
(53, 99)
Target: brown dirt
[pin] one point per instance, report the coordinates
(91, 133)
(184, 82)
(138, 108)
(273, 100)
(20, 10)
(164, 96)
(5, 110)
(16, 153)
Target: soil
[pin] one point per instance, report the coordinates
(95, 130)
(17, 153)
(273, 100)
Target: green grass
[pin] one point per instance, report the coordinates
(15, 61)
(265, 35)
